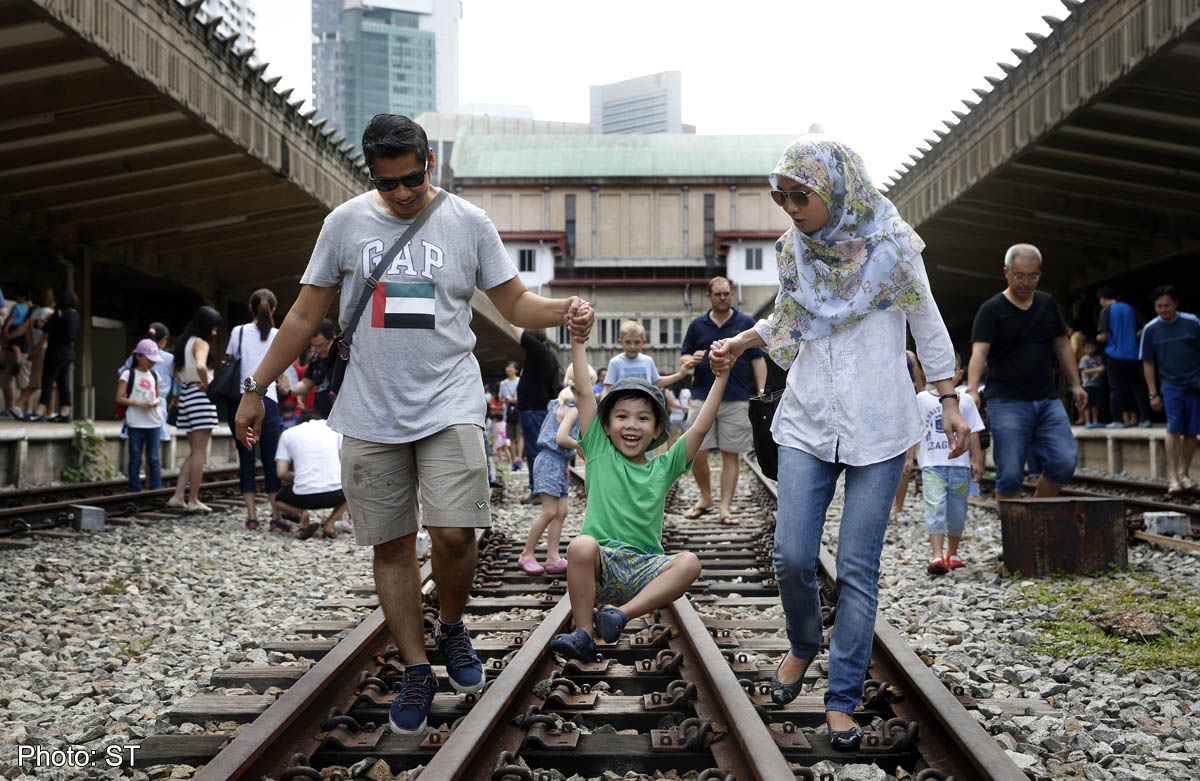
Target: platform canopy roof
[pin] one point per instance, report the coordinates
(1089, 148)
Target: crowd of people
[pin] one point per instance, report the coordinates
(405, 447)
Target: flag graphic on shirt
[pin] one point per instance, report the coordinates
(402, 305)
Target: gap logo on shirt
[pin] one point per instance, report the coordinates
(403, 305)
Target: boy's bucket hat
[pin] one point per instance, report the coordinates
(655, 395)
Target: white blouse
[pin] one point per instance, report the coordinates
(849, 398)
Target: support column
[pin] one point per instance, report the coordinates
(85, 404)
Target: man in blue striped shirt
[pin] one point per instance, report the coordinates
(1171, 344)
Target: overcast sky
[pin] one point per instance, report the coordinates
(879, 74)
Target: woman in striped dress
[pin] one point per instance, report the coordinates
(197, 415)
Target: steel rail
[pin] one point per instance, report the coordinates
(757, 755)
(127, 503)
(470, 751)
(289, 725)
(949, 738)
(81, 490)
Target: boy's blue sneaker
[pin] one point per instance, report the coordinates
(577, 645)
(462, 665)
(609, 623)
(410, 709)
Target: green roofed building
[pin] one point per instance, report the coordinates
(637, 224)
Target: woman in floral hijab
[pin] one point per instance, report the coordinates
(851, 280)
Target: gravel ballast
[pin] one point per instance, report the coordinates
(99, 637)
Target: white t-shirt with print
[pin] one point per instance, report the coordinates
(142, 387)
(934, 445)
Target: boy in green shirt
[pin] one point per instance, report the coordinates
(618, 558)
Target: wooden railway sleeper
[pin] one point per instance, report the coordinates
(656, 636)
(665, 662)
(788, 737)
(931, 774)
(542, 732)
(299, 768)
(679, 694)
(897, 735)
(566, 694)
(739, 661)
(692, 734)
(879, 695)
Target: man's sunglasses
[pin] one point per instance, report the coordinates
(797, 197)
(415, 179)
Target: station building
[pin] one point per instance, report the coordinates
(637, 224)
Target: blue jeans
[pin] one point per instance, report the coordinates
(945, 490)
(531, 424)
(144, 439)
(268, 441)
(806, 486)
(1035, 431)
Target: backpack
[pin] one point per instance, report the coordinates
(128, 378)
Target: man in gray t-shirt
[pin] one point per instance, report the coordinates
(409, 406)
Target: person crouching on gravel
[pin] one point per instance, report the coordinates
(618, 558)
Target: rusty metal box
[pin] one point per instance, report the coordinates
(1063, 534)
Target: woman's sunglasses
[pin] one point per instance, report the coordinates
(415, 179)
(797, 197)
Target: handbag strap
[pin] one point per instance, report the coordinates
(384, 262)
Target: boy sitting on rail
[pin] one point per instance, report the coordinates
(618, 558)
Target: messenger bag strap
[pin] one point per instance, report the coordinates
(384, 262)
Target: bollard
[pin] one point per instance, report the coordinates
(1070, 535)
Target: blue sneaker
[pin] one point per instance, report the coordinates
(577, 645)
(462, 665)
(410, 709)
(609, 623)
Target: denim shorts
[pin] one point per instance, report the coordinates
(1035, 431)
(945, 490)
(624, 572)
(1182, 406)
(550, 474)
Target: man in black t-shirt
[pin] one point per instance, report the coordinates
(538, 384)
(317, 373)
(1018, 333)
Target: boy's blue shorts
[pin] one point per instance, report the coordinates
(624, 572)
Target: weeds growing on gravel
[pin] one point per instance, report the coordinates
(1070, 634)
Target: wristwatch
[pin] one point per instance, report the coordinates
(1154, 395)
(249, 385)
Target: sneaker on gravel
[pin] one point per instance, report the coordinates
(410, 709)
(344, 525)
(937, 567)
(609, 623)
(954, 562)
(252, 524)
(280, 525)
(462, 665)
(577, 645)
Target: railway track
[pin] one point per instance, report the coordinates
(51, 507)
(683, 690)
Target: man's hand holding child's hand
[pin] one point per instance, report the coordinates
(579, 319)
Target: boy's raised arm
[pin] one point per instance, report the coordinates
(708, 413)
(585, 402)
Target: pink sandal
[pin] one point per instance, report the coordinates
(556, 567)
(530, 565)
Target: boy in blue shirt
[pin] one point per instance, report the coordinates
(618, 558)
(631, 363)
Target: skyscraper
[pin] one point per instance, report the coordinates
(647, 104)
(383, 56)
